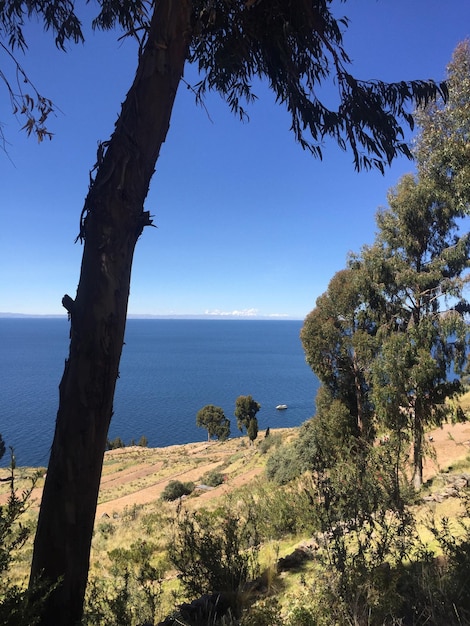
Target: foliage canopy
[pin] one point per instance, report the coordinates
(389, 338)
(213, 419)
(295, 45)
(245, 411)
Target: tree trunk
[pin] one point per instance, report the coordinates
(418, 436)
(112, 220)
(359, 396)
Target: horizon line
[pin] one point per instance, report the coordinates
(175, 316)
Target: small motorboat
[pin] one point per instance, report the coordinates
(281, 407)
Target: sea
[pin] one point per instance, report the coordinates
(170, 368)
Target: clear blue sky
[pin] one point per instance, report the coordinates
(247, 222)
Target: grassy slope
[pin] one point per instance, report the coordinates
(133, 479)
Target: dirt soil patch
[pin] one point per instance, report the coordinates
(449, 444)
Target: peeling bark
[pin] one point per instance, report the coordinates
(112, 220)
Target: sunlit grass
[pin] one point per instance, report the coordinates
(464, 402)
(152, 522)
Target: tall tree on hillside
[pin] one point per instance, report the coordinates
(294, 46)
(338, 338)
(245, 411)
(418, 264)
(252, 430)
(213, 419)
(442, 149)
(422, 262)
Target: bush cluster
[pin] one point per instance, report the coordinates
(177, 489)
(213, 478)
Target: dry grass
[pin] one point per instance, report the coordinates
(133, 479)
(464, 402)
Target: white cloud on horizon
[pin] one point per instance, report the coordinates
(236, 313)
(242, 313)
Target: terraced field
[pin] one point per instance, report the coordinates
(137, 476)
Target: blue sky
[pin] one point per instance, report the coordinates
(248, 223)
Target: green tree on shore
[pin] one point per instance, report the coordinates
(252, 430)
(213, 419)
(245, 411)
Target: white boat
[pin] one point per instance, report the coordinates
(281, 407)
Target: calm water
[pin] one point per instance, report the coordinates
(169, 370)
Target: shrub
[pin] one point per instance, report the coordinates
(443, 583)
(131, 513)
(302, 616)
(283, 465)
(212, 558)
(131, 593)
(270, 441)
(358, 505)
(213, 478)
(274, 512)
(106, 528)
(18, 606)
(263, 613)
(153, 521)
(176, 489)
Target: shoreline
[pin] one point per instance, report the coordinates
(136, 476)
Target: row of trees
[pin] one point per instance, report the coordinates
(213, 419)
(117, 442)
(389, 338)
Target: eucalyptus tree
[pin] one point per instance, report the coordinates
(421, 260)
(338, 338)
(294, 46)
(419, 265)
(442, 148)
